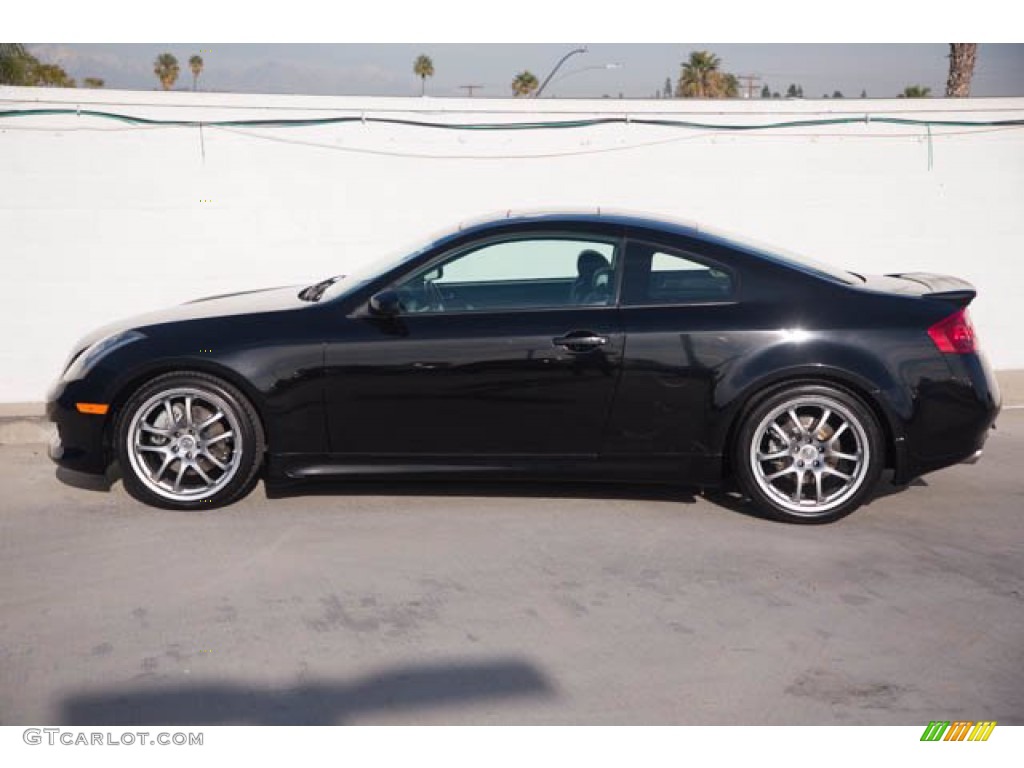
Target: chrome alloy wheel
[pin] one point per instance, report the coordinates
(185, 443)
(809, 455)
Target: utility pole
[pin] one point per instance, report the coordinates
(470, 88)
(751, 83)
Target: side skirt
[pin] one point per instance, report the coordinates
(702, 471)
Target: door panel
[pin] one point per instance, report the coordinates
(683, 329)
(466, 384)
(503, 346)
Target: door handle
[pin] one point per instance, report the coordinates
(580, 341)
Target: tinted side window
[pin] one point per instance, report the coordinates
(657, 275)
(523, 273)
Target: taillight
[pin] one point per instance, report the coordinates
(954, 334)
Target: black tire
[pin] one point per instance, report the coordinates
(834, 452)
(169, 431)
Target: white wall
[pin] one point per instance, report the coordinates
(99, 219)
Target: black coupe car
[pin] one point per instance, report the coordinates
(572, 346)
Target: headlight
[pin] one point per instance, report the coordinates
(85, 361)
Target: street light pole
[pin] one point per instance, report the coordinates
(572, 72)
(558, 66)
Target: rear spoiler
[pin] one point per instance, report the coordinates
(942, 287)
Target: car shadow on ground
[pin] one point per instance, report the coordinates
(886, 487)
(725, 498)
(87, 482)
(398, 691)
(676, 494)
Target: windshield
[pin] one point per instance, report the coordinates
(364, 273)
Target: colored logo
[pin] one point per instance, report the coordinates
(961, 730)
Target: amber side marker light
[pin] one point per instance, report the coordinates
(96, 408)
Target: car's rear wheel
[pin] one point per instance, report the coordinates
(189, 441)
(809, 454)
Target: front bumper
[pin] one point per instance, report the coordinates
(79, 442)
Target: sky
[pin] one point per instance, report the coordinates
(634, 70)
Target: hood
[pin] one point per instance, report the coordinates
(224, 305)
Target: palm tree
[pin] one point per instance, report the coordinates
(916, 92)
(424, 68)
(195, 63)
(166, 69)
(961, 68)
(525, 83)
(699, 76)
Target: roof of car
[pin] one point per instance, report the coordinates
(610, 215)
(666, 223)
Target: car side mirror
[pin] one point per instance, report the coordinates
(386, 304)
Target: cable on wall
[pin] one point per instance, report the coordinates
(514, 126)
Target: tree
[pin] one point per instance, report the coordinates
(15, 64)
(526, 83)
(94, 82)
(424, 68)
(667, 90)
(729, 86)
(51, 76)
(795, 91)
(166, 70)
(766, 92)
(962, 57)
(195, 63)
(837, 94)
(19, 67)
(700, 77)
(916, 92)
(864, 93)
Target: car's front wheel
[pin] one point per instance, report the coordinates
(188, 441)
(809, 454)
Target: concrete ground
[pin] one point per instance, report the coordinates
(512, 604)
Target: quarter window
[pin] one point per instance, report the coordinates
(659, 275)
